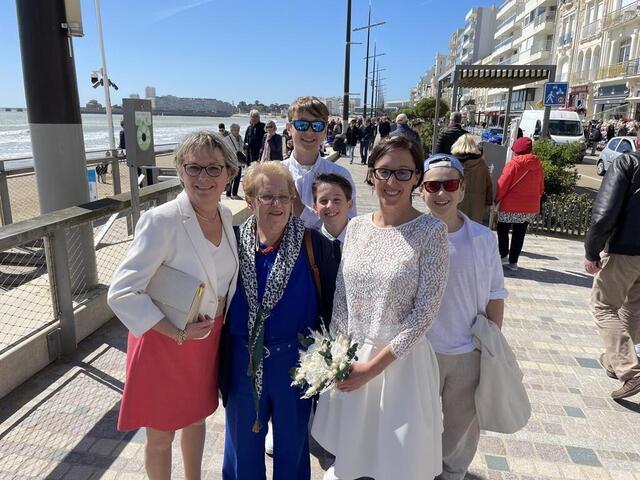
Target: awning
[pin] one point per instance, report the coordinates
(495, 76)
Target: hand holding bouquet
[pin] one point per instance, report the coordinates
(325, 360)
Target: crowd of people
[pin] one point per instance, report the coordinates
(406, 286)
(598, 133)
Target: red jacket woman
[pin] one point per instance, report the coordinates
(520, 188)
(521, 183)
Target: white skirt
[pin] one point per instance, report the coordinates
(390, 428)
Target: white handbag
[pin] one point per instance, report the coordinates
(177, 294)
(502, 403)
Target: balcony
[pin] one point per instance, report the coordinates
(509, 61)
(622, 15)
(507, 6)
(539, 20)
(511, 19)
(591, 31)
(506, 42)
(630, 68)
(582, 78)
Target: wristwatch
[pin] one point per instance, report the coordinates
(181, 336)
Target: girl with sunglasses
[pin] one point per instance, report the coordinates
(475, 285)
(389, 287)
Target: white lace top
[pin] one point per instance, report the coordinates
(391, 281)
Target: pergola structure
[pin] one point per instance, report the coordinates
(493, 76)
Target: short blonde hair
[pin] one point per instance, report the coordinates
(250, 181)
(311, 105)
(465, 145)
(206, 142)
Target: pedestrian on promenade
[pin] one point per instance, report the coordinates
(237, 144)
(518, 195)
(404, 130)
(475, 285)
(615, 298)
(172, 373)
(253, 137)
(353, 135)
(222, 130)
(271, 144)
(388, 292)
(307, 124)
(449, 135)
(277, 300)
(478, 191)
(595, 136)
(611, 131)
(384, 128)
(366, 137)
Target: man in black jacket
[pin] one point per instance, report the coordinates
(450, 134)
(253, 137)
(615, 298)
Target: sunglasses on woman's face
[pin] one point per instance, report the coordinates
(433, 186)
(303, 125)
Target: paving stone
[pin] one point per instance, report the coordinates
(497, 463)
(583, 456)
(588, 363)
(574, 412)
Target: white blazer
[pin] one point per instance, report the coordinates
(169, 234)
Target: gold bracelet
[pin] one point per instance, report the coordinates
(181, 336)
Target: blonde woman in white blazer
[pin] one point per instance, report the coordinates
(172, 374)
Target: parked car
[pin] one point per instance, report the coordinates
(492, 135)
(614, 148)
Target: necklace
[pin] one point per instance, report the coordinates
(209, 220)
(269, 248)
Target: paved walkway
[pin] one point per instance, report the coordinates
(61, 423)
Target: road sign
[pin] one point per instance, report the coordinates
(556, 94)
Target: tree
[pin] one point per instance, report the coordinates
(425, 109)
(243, 107)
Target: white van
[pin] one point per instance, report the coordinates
(564, 127)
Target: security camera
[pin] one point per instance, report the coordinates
(95, 79)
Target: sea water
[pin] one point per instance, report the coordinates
(15, 139)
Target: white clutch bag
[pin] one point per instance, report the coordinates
(177, 294)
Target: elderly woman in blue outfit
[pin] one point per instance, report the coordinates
(279, 295)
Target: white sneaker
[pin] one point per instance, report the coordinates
(505, 260)
(268, 441)
(512, 266)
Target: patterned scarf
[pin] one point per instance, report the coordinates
(276, 283)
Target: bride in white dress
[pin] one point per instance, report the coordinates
(385, 420)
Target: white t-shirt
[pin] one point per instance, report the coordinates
(451, 331)
(225, 262)
(304, 175)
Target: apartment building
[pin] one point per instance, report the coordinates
(477, 35)
(524, 35)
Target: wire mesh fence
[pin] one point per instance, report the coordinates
(23, 191)
(25, 298)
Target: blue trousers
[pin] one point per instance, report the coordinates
(244, 449)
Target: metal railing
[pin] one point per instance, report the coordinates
(503, 43)
(582, 77)
(538, 20)
(591, 31)
(19, 192)
(44, 265)
(629, 68)
(504, 23)
(622, 15)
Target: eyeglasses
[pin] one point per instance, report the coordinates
(401, 174)
(269, 199)
(303, 125)
(193, 169)
(269, 126)
(434, 186)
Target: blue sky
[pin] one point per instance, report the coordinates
(249, 50)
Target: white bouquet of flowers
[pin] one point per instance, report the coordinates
(325, 359)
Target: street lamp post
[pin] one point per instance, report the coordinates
(347, 55)
(368, 27)
(115, 167)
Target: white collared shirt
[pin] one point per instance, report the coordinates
(304, 176)
(339, 238)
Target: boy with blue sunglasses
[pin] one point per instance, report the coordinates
(308, 117)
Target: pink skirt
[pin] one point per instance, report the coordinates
(170, 386)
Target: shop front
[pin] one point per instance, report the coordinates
(612, 102)
(578, 97)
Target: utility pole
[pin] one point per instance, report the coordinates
(347, 55)
(373, 77)
(368, 27)
(115, 167)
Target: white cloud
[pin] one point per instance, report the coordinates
(170, 12)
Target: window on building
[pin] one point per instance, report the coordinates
(625, 50)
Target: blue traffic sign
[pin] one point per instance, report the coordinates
(556, 94)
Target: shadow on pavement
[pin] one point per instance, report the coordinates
(537, 256)
(545, 275)
(631, 406)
